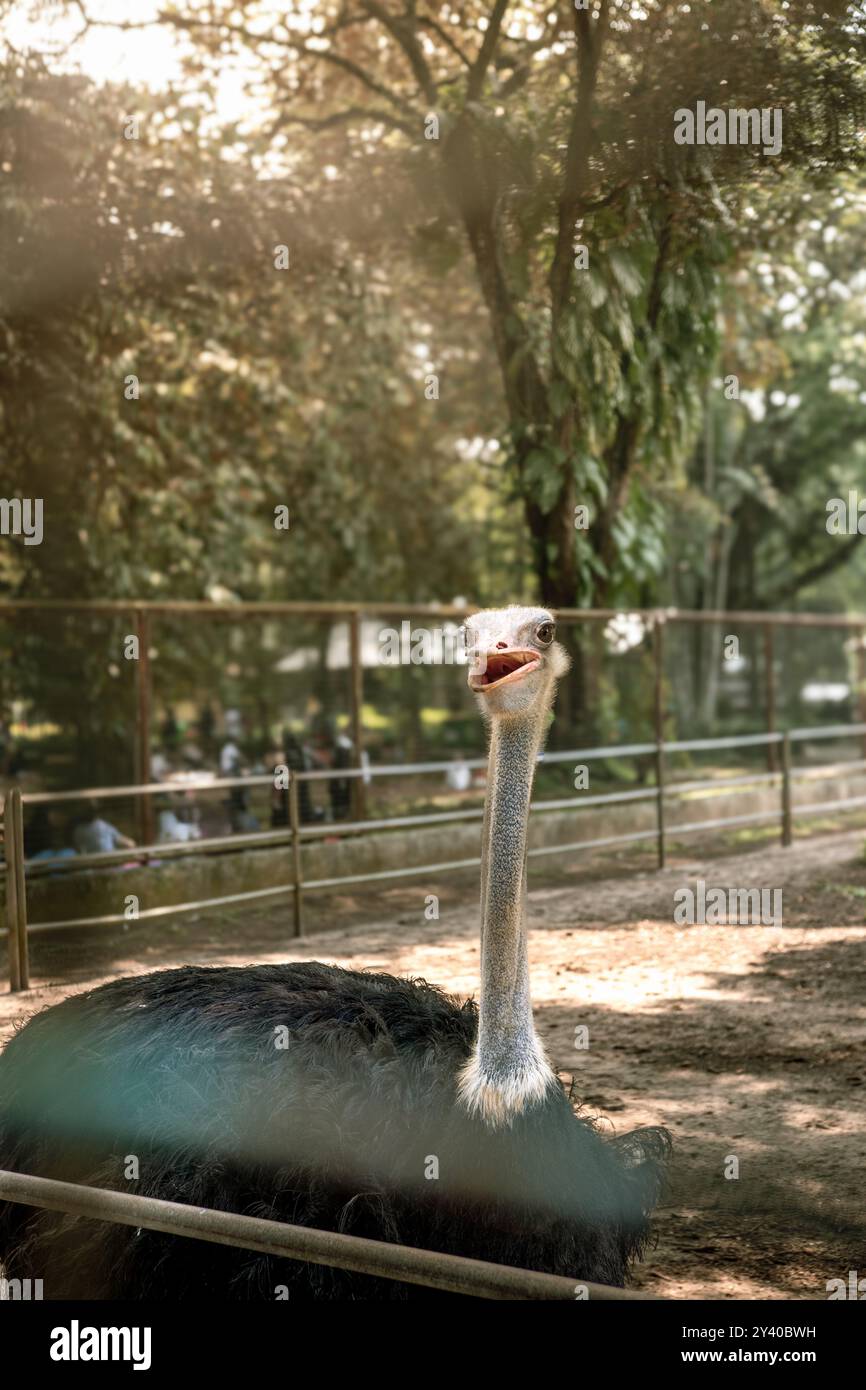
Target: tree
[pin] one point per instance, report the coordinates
(556, 126)
(787, 435)
(165, 388)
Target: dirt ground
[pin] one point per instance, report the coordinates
(748, 1042)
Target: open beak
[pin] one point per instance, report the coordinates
(502, 668)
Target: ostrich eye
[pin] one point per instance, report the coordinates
(545, 632)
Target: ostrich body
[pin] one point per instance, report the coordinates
(331, 1098)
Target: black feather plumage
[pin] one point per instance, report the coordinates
(307, 1094)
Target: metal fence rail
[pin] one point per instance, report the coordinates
(295, 834)
(16, 899)
(144, 615)
(449, 1273)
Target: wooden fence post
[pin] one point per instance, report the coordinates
(787, 818)
(359, 791)
(16, 900)
(11, 892)
(659, 719)
(770, 694)
(144, 808)
(295, 822)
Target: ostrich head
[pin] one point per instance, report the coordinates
(514, 661)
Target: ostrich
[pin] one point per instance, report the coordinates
(348, 1101)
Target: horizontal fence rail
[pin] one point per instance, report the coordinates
(241, 609)
(296, 834)
(449, 1273)
(145, 614)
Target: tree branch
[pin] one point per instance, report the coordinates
(188, 24)
(404, 34)
(374, 115)
(446, 38)
(523, 69)
(836, 556)
(485, 52)
(577, 154)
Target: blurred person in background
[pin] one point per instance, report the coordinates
(458, 775)
(231, 764)
(340, 788)
(93, 835)
(43, 836)
(172, 829)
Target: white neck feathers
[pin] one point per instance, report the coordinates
(508, 1070)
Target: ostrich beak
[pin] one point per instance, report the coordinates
(503, 668)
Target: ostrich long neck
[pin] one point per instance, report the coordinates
(507, 1046)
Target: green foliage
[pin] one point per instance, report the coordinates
(256, 388)
(409, 256)
(766, 464)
